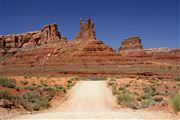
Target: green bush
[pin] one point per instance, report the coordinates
(24, 82)
(124, 97)
(50, 95)
(121, 88)
(111, 83)
(147, 89)
(60, 88)
(133, 104)
(69, 81)
(176, 102)
(176, 78)
(32, 100)
(4, 94)
(73, 78)
(49, 88)
(34, 84)
(69, 85)
(146, 96)
(6, 82)
(127, 98)
(114, 90)
(158, 99)
(30, 88)
(147, 102)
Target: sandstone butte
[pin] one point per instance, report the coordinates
(47, 47)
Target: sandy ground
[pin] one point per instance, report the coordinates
(92, 100)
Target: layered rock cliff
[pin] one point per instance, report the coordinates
(84, 49)
(132, 47)
(47, 47)
(131, 43)
(47, 35)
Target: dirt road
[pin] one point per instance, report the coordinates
(92, 100)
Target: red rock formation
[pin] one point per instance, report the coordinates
(132, 47)
(47, 35)
(86, 30)
(84, 49)
(85, 52)
(131, 43)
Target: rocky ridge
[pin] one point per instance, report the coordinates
(48, 34)
(47, 47)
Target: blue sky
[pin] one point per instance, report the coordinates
(155, 21)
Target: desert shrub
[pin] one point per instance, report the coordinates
(133, 104)
(32, 100)
(127, 85)
(43, 84)
(176, 102)
(4, 94)
(25, 76)
(176, 78)
(114, 90)
(112, 83)
(54, 88)
(150, 90)
(60, 88)
(120, 88)
(73, 78)
(124, 97)
(138, 99)
(49, 88)
(51, 94)
(34, 84)
(111, 79)
(29, 88)
(69, 81)
(158, 99)
(146, 96)
(24, 82)
(147, 89)
(69, 85)
(17, 88)
(147, 102)
(39, 85)
(6, 82)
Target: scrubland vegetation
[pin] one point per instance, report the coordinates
(32, 97)
(139, 94)
(176, 101)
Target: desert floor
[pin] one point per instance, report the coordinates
(93, 100)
